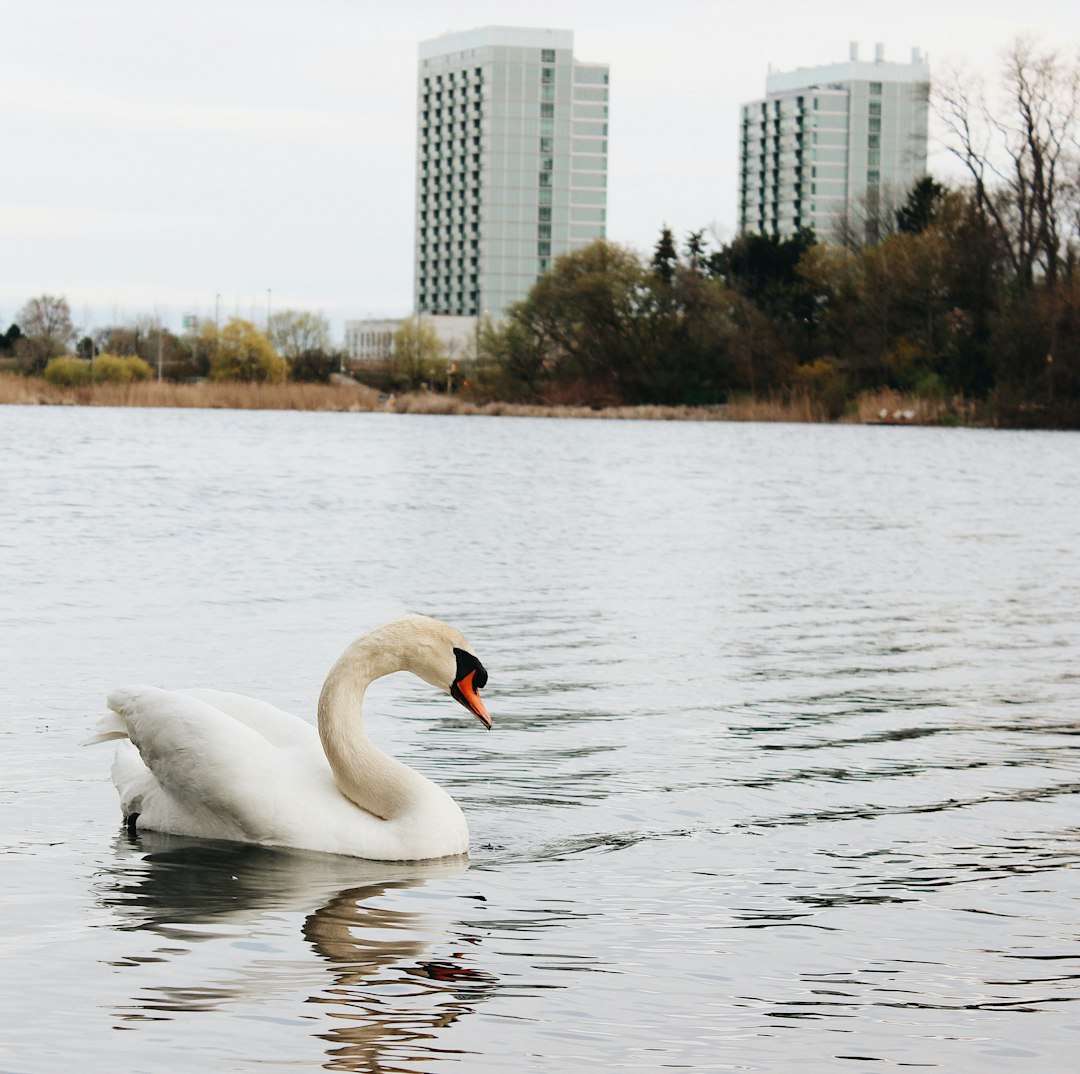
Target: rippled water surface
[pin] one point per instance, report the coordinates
(783, 776)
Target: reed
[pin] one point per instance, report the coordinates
(233, 395)
(890, 407)
(430, 403)
(798, 406)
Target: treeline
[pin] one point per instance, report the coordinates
(43, 341)
(932, 309)
(970, 294)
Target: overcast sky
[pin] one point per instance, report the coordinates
(155, 154)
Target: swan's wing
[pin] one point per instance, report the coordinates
(216, 775)
(274, 724)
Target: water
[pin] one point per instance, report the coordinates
(783, 776)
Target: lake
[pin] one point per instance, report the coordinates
(784, 772)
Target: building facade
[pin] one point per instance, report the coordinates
(833, 147)
(370, 340)
(512, 136)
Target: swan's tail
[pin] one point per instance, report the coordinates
(108, 728)
(114, 726)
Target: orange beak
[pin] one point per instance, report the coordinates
(464, 692)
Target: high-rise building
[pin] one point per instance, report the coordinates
(511, 170)
(831, 147)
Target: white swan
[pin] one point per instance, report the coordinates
(223, 766)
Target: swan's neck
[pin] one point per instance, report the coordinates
(372, 779)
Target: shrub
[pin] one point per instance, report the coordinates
(117, 369)
(825, 384)
(315, 365)
(241, 352)
(67, 372)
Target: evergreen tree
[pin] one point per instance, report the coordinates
(923, 201)
(665, 257)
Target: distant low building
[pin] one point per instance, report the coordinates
(372, 340)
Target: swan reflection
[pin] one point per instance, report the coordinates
(390, 973)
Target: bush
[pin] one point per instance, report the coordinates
(67, 372)
(117, 369)
(315, 365)
(241, 352)
(825, 384)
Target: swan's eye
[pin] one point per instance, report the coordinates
(467, 663)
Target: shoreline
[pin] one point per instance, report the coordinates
(871, 408)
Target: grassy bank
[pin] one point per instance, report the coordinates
(882, 406)
(230, 395)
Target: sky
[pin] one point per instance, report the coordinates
(163, 157)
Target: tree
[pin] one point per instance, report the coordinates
(923, 201)
(316, 364)
(239, 351)
(46, 331)
(1022, 156)
(601, 327)
(665, 256)
(695, 250)
(10, 338)
(292, 332)
(419, 356)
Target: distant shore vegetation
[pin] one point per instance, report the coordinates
(944, 305)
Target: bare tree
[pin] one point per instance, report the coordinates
(869, 218)
(47, 330)
(1021, 156)
(294, 332)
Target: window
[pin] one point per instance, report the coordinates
(543, 249)
(875, 123)
(545, 212)
(547, 55)
(873, 176)
(875, 89)
(547, 75)
(873, 158)
(547, 111)
(543, 231)
(547, 93)
(875, 108)
(545, 179)
(547, 145)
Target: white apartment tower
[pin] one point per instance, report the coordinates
(511, 166)
(830, 146)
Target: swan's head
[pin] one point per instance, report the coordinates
(443, 657)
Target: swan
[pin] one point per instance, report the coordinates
(223, 766)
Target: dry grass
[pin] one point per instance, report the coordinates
(900, 408)
(896, 407)
(222, 394)
(798, 407)
(431, 403)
